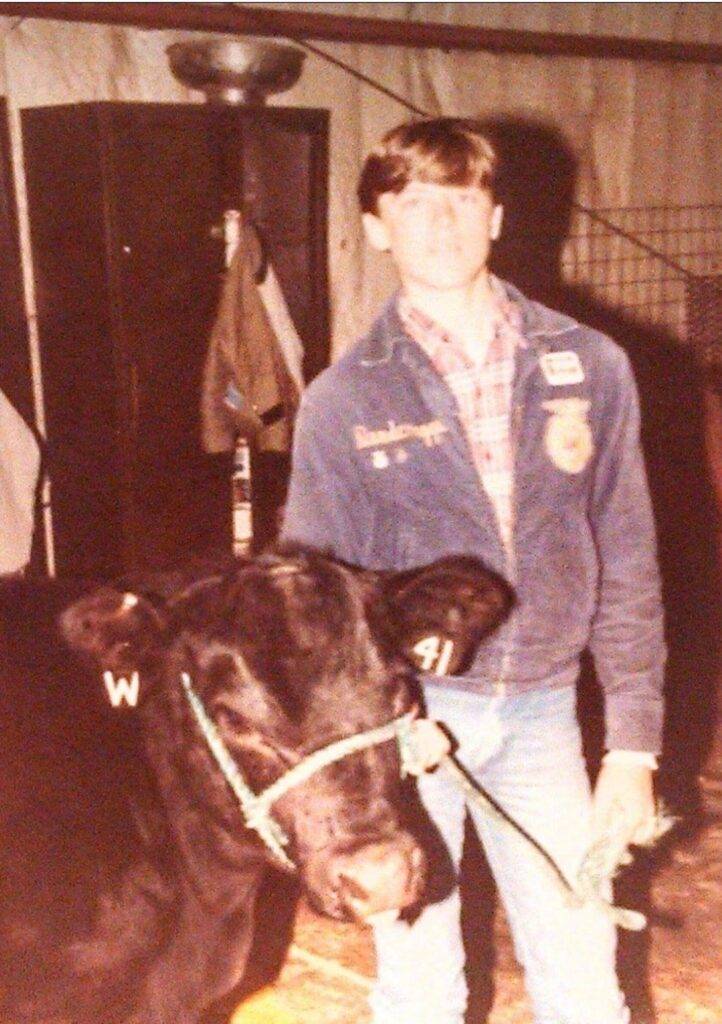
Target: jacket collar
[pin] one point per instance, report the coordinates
(541, 326)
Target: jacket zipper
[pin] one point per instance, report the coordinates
(500, 685)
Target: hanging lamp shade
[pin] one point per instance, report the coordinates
(234, 70)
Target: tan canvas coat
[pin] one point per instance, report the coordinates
(244, 353)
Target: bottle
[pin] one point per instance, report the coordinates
(242, 523)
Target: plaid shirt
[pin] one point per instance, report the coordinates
(482, 388)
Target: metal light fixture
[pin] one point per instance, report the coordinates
(232, 70)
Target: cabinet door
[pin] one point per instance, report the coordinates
(276, 169)
(284, 186)
(66, 203)
(165, 264)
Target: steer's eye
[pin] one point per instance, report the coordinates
(230, 718)
(401, 689)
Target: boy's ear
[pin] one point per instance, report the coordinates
(118, 631)
(438, 614)
(497, 219)
(376, 232)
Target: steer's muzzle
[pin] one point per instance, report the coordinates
(373, 878)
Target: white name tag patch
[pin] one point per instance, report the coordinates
(560, 368)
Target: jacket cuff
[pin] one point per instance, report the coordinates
(640, 757)
(634, 723)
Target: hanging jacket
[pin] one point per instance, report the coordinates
(247, 388)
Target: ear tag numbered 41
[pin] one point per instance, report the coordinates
(434, 654)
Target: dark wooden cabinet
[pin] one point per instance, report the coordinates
(15, 372)
(126, 208)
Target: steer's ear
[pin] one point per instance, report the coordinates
(439, 613)
(119, 631)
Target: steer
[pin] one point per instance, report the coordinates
(137, 729)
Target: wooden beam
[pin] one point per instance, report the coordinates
(300, 25)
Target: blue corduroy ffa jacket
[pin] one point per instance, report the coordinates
(383, 477)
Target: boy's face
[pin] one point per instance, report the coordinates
(439, 236)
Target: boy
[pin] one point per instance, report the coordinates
(471, 419)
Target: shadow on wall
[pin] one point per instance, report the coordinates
(536, 186)
(535, 183)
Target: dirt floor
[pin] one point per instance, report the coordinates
(672, 972)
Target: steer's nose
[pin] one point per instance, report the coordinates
(379, 877)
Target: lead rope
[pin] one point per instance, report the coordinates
(595, 871)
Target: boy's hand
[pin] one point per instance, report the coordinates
(430, 745)
(624, 811)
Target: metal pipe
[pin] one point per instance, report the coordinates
(240, 20)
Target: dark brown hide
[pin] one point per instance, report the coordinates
(127, 875)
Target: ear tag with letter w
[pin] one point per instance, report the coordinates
(122, 689)
(434, 655)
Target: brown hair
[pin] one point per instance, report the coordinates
(441, 150)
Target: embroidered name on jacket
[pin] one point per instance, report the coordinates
(430, 434)
(568, 436)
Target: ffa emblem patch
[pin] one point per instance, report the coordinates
(568, 436)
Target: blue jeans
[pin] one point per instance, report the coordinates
(525, 750)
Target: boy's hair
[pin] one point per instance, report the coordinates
(441, 150)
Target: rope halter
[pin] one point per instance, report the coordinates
(256, 807)
(588, 888)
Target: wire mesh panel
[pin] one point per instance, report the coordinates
(639, 260)
(704, 324)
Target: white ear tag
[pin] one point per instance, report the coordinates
(122, 689)
(560, 368)
(434, 656)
